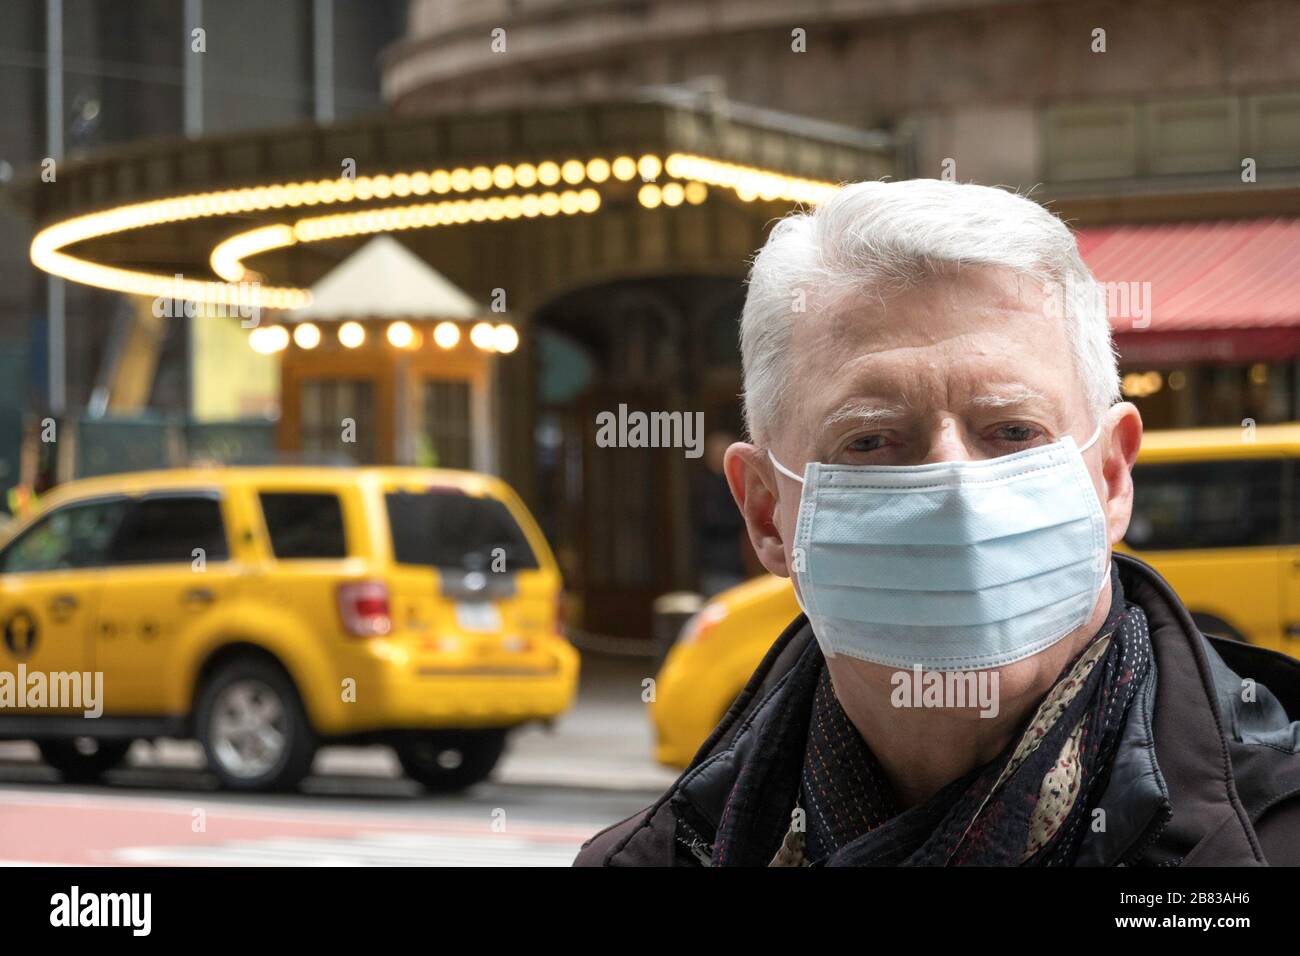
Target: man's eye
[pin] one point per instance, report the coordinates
(1017, 433)
(867, 443)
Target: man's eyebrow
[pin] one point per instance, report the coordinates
(1007, 396)
(864, 412)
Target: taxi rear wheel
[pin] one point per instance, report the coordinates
(83, 759)
(253, 728)
(448, 760)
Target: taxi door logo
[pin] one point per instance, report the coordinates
(20, 634)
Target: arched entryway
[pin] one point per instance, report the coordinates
(625, 519)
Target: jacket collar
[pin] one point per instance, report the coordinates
(1173, 796)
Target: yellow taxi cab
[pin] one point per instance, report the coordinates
(1216, 511)
(266, 611)
(712, 658)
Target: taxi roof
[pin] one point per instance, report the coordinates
(1234, 441)
(306, 476)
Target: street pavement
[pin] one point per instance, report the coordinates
(555, 787)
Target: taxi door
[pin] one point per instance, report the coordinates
(171, 572)
(50, 581)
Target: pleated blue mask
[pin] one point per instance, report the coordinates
(952, 565)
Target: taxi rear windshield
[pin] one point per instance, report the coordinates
(449, 529)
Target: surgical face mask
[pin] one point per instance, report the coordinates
(952, 565)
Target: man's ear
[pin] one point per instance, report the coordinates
(1122, 425)
(753, 484)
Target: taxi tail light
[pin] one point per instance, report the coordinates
(364, 610)
(701, 624)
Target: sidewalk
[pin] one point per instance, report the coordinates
(603, 742)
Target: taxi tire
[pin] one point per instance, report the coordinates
(300, 753)
(77, 767)
(479, 752)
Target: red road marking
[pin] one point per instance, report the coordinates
(79, 830)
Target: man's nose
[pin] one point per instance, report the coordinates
(948, 443)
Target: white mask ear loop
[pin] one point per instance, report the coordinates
(1089, 443)
(782, 469)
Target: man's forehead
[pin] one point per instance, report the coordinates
(990, 325)
(978, 299)
(979, 307)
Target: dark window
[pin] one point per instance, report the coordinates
(447, 424)
(324, 405)
(74, 536)
(304, 525)
(453, 530)
(1218, 504)
(168, 528)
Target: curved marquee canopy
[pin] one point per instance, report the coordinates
(187, 219)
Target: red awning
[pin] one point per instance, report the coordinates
(1216, 275)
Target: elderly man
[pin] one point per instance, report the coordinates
(941, 462)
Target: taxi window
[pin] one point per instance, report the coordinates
(167, 529)
(74, 536)
(449, 529)
(304, 525)
(1206, 504)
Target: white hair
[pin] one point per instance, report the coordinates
(875, 238)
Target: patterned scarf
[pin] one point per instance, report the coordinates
(1030, 806)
